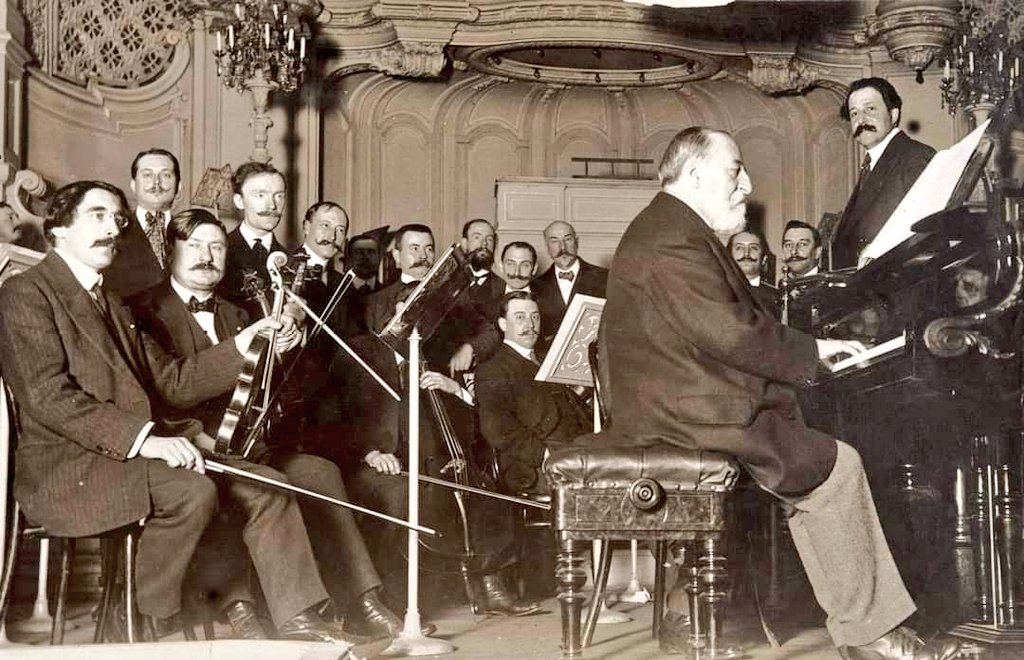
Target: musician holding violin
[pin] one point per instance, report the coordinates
(185, 315)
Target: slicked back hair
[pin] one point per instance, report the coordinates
(405, 229)
(153, 151)
(320, 206)
(800, 224)
(185, 222)
(521, 245)
(60, 211)
(250, 169)
(689, 143)
(882, 86)
(507, 299)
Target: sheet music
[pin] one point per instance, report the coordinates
(893, 344)
(929, 194)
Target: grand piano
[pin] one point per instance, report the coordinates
(934, 405)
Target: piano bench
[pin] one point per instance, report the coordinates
(661, 494)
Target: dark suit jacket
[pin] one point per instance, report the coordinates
(163, 315)
(878, 196)
(768, 297)
(520, 416)
(135, 267)
(83, 398)
(695, 361)
(463, 324)
(241, 259)
(590, 281)
(485, 297)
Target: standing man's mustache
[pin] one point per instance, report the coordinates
(864, 127)
(795, 257)
(421, 262)
(753, 261)
(269, 214)
(104, 242)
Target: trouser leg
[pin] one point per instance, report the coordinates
(836, 532)
(278, 545)
(345, 564)
(183, 503)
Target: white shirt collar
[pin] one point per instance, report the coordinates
(756, 281)
(314, 258)
(359, 282)
(527, 353)
(187, 294)
(477, 274)
(509, 289)
(408, 279)
(876, 151)
(249, 235)
(85, 275)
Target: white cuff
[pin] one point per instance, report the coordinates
(139, 439)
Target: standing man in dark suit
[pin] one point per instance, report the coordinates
(567, 276)
(463, 338)
(139, 264)
(891, 165)
(93, 455)
(362, 257)
(519, 415)
(478, 240)
(260, 195)
(185, 316)
(695, 361)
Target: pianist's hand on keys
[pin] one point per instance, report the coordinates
(833, 348)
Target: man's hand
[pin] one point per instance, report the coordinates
(289, 336)
(294, 311)
(383, 463)
(462, 360)
(828, 348)
(431, 380)
(176, 452)
(245, 337)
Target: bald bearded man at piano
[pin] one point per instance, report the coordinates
(891, 166)
(695, 361)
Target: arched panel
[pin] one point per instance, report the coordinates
(832, 172)
(763, 158)
(488, 158)
(404, 193)
(579, 142)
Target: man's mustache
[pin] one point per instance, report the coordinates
(421, 263)
(742, 259)
(156, 189)
(864, 127)
(269, 214)
(518, 278)
(326, 241)
(110, 241)
(528, 333)
(795, 257)
(206, 265)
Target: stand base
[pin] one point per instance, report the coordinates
(635, 593)
(36, 624)
(406, 646)
(608, 616)
(988, 633)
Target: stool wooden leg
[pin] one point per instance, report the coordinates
(604, 563)
(571, 576)
(109, 553)
(712, 573)
(10, 561)
(67, 553)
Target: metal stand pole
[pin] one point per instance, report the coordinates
(412, 641)
(40, 621)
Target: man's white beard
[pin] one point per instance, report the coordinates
(730, 220)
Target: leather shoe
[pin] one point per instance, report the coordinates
(902, 643)
(245, 623)
(369, 616)
(310, 627)
(499, 600)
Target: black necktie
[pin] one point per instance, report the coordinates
(100, 297)
(208, 305)
(566, 275)
(259, 255)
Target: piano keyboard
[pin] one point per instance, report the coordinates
(894, 344)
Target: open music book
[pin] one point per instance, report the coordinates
(930, 194)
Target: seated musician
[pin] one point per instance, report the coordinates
(519, 415)
(94, 456)
(801, 249)
(185, 316)
(693, 362)
(366, 433)
(465, 336)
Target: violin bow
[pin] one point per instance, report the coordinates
(522, 501)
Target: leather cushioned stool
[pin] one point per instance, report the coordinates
(661, 494)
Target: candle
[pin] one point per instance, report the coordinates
(945, 71)
(291, 39)
(239, 11)
(302, 48)
(274, 6)
(1000, 61)
(231, 36)
(960, 493)
(970, 60)
(266, 34)
(220, 42)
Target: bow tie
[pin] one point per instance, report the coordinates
(479, 281)
(566, 275)
(208, 305)
(316, 272)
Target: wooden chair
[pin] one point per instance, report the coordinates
(660, 494)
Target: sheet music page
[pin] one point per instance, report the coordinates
(929, 194)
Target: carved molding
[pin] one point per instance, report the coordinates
(18, 187)
(780, 73)
(914, 32)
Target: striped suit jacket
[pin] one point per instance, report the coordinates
(83, 391)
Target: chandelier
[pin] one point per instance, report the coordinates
(983, 65)
(262, 40)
